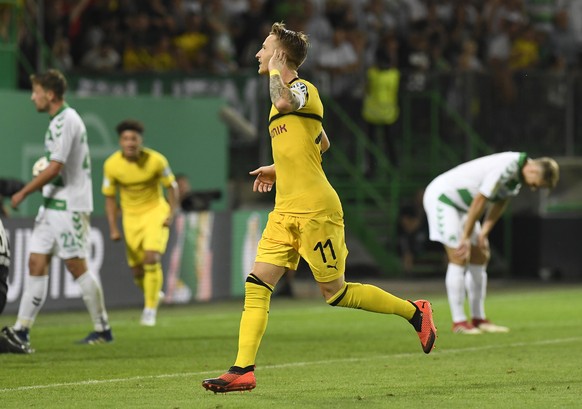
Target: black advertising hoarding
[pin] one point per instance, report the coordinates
(197, 264)
(107, 261)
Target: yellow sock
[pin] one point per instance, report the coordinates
(152, 284)
(371, 298)
(254, 319)
(138, 282)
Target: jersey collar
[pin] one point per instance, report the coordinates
(521, 163)
(61, 109)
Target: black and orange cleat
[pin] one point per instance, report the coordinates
(236, 379)
(424, 325)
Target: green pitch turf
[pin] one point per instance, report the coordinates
(313, 356)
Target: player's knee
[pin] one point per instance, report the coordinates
(254, 283)
(331, 288)
(479, 256)
(76, 266)
(36, 265)
(137, 272)
(336, 298)
(151, 257)
(257, 292)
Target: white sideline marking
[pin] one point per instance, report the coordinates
(290, 364)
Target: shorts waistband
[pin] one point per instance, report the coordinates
(55, 204)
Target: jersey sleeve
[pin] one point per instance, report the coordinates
(167, 176)
(61, 139)
(496, 178)
(109, 186)
(299, 89)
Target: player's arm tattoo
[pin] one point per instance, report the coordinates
(279, 90)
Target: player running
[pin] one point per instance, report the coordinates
(307, 220)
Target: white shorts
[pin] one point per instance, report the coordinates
(446, 222)
(62, 233)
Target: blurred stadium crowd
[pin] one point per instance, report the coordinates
(347, 36)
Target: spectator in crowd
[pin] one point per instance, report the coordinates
(563, 40)
(102, 58)
(466, 25)
(62, 58)
(134, 58)
(468, 59)
(222, 49)
(381, 108)
(525, 50)
(320, 32)
(340, 61)
(499, 56)
(225, 29)
(192, 43)
(165, 57)
(461, 90)
(247, 32)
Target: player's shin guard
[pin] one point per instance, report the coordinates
(254, 319)
(371, 298)
(152, 284)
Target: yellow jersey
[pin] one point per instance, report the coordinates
(139, 183)
(302, 187)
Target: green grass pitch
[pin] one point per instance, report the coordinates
(312, 356)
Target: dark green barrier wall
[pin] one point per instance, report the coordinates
(187, 131)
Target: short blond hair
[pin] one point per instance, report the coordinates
(550, 171)
(295, 44)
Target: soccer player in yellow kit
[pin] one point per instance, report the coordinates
(138, 174)
(307, 220)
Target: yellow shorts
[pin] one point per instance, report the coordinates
(320, 241)
(145, 231)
